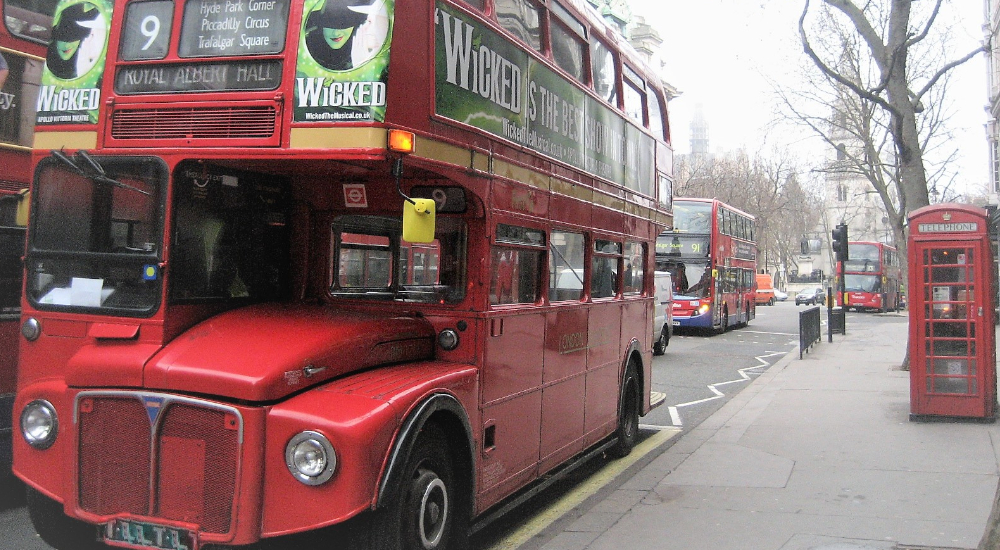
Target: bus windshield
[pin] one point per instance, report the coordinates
(691, 279)
(862, 283)
(97, 233)
(373, 262)
(692, 217)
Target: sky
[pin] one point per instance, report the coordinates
(725, 54)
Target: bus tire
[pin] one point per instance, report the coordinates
(661, 343)
(422, 515)
(56, 528)
(628, 414)
(724, 323)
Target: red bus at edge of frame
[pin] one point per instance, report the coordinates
(23, 38)
(226, 339)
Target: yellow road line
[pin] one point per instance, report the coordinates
(573, 499)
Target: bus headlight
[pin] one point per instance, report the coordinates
(704, 309)
(310, 458)
(39, 424)
(448, 339)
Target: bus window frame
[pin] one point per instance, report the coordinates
(596, 254)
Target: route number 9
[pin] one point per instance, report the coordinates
(150, 28)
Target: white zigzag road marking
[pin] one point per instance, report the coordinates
(675, 416)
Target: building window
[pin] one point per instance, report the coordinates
(842, 193)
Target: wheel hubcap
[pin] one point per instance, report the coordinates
(433, 513)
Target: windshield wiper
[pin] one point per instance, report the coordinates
(92, 170)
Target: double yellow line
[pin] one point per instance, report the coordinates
(591, 486)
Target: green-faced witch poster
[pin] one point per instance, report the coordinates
(343, 60)
(70, 92)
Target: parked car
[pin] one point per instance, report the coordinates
(810, 296)
(780, 295)
(663, 312)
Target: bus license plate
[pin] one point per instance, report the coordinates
(130, 533)
(676, 323)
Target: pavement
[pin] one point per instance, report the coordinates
(816, 454)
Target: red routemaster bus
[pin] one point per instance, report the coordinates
(23, 35)
(294, 265)
(711, 252)
(873, 280)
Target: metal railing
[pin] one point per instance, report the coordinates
(809, 329)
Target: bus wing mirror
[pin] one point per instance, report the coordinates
(418, 220)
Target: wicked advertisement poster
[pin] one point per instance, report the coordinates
(70, 91)
(485, 80)
(17, 98)
(343, 60)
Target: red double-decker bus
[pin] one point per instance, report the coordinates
(300, 265)
(711, 252)
(23, 36)
(872, 277)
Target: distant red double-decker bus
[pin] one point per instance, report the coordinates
(872, 277)
(24, 34)
(296, 265)
(711, 252)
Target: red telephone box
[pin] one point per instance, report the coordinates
(952, 344)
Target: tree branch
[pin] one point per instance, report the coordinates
(927, 27)
(807, 47)
(941, 72)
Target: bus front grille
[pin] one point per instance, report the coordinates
(243, 122)
(151, 455)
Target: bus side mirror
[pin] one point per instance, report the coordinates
(418, 220)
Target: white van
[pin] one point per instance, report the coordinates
(663, 316)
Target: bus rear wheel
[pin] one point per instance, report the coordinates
(423, 514)
(628, 414)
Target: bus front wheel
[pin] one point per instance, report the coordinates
(423, 514)
(56, 528)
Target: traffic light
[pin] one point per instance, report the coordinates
(840, 242)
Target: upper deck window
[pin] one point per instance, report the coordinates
(214, 28)
(602, 66)
(635, 97)
(693, 217)
(656, 116)
(522, 19)
(568, 45)
(31, 19)
(478, 4)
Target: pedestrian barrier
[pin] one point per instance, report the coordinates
(809, 329)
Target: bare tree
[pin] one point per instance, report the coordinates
(885, 29)
(883, 89)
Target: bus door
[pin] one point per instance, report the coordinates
(512, 371)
